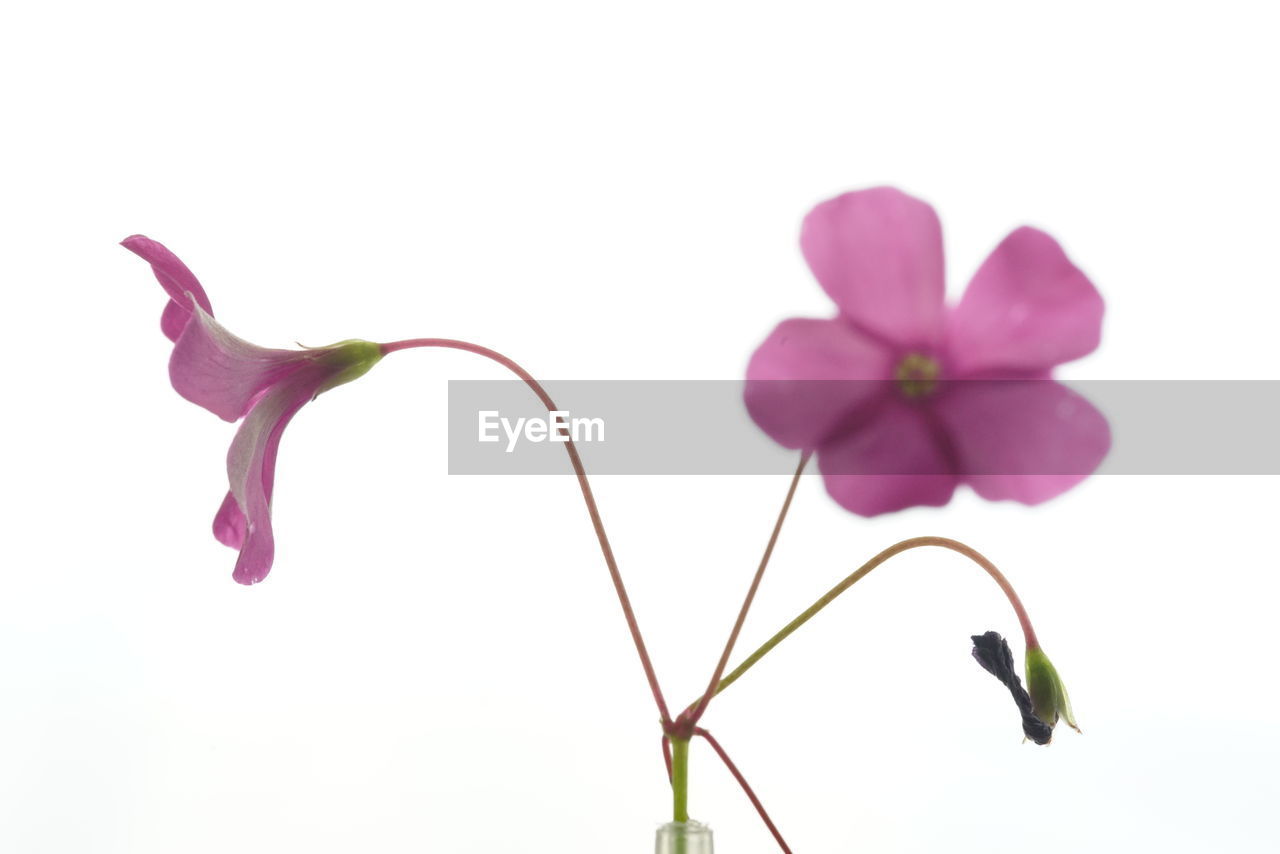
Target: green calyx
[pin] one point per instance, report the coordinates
(1049, 698)
(350, 360)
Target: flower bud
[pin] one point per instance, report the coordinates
(1049, 698)
(992, 652)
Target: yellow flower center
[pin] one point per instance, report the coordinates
(917, 375)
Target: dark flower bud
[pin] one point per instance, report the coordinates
(992, 652)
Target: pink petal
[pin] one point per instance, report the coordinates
(810, 375)
(878, 254)
(1027, 309)
(175, 278)
(895, 460)
(251, 463)
(1025, 440)
(174, 319)
(230, 524)
(224, 374)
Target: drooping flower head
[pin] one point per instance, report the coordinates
(902, 397)
(1048, 694)
(1043, 702)
(234, 379)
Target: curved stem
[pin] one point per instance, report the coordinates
(906, 545)
(746, 787)
(712, 690)
(583, 483)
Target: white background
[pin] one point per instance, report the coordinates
(603, 191)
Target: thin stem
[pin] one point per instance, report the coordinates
(680, 778)
(746, 787)
(914, 543)
(632, 625)
(712, 690)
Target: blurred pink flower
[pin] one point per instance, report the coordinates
(234, 379)
(903, 398)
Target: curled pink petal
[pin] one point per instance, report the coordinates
(1025, 440)
(233, 379)
(896, 459)
(223, 373)
(878, 254)
(1027, 309)
(251, 463)
(810, 375)
(230, 524)
(174, 319)
(178, 281)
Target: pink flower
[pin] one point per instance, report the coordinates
(903, 398)
(234, 379)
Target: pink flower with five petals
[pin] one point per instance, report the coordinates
(234, 379)
(903, 398)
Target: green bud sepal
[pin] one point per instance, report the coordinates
(1049, 697)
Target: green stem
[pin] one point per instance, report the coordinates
(854, 577)
(680, 778)
(696, 712)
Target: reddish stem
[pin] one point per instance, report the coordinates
(583, 483)
(701, 708)
(826, 599)
(746, 787)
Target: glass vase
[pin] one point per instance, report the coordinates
(684, 837)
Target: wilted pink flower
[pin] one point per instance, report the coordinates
(234, 379)
(903, 398)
